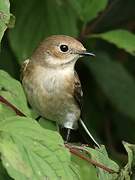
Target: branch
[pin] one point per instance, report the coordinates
(75, 151)
(7, 103)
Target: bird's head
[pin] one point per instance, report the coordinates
(60, 50)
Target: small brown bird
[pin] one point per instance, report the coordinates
(52, 85)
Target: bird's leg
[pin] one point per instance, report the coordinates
(65, 132)
(68, 135)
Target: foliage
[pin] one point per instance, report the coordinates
(35, 150)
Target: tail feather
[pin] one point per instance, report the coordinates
(89, 134)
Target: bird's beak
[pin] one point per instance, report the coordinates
(86, 53)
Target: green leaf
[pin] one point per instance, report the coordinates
(11, 23)
(47, 124)
(35, 21)
(4, 16)
(88, 9)
(83, 169)
(121, 38)
(6, 111)
(117, 84)
(12, 90)
(12, 158)
(128, 170)
(101, 156)
(130, 148)
(29, 151)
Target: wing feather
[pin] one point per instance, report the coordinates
(78, 93)
(23, 68)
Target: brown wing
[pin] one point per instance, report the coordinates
(78, 94)
(23, 68)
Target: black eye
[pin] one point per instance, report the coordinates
(64, 48)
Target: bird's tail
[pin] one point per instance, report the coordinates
(87, 131)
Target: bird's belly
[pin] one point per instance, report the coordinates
(52, 100)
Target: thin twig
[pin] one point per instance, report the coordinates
(75, 151)
(6, 102)
(88, 29)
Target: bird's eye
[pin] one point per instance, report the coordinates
(64, 48)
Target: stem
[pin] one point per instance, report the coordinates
(7, 103)
(75, 151)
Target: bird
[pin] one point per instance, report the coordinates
(52, 85)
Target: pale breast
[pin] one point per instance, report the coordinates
(50, 92)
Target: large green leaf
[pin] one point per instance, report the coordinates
(117, 84)
(36, 20)
(83, 169)
(88, 9)
(100, 155)
(128, 170)
(130, 148)
(47, 124)
(30, 152)
(104, 168)
(4, 16)
(6, 111)
(121, 38)
(12, 90)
